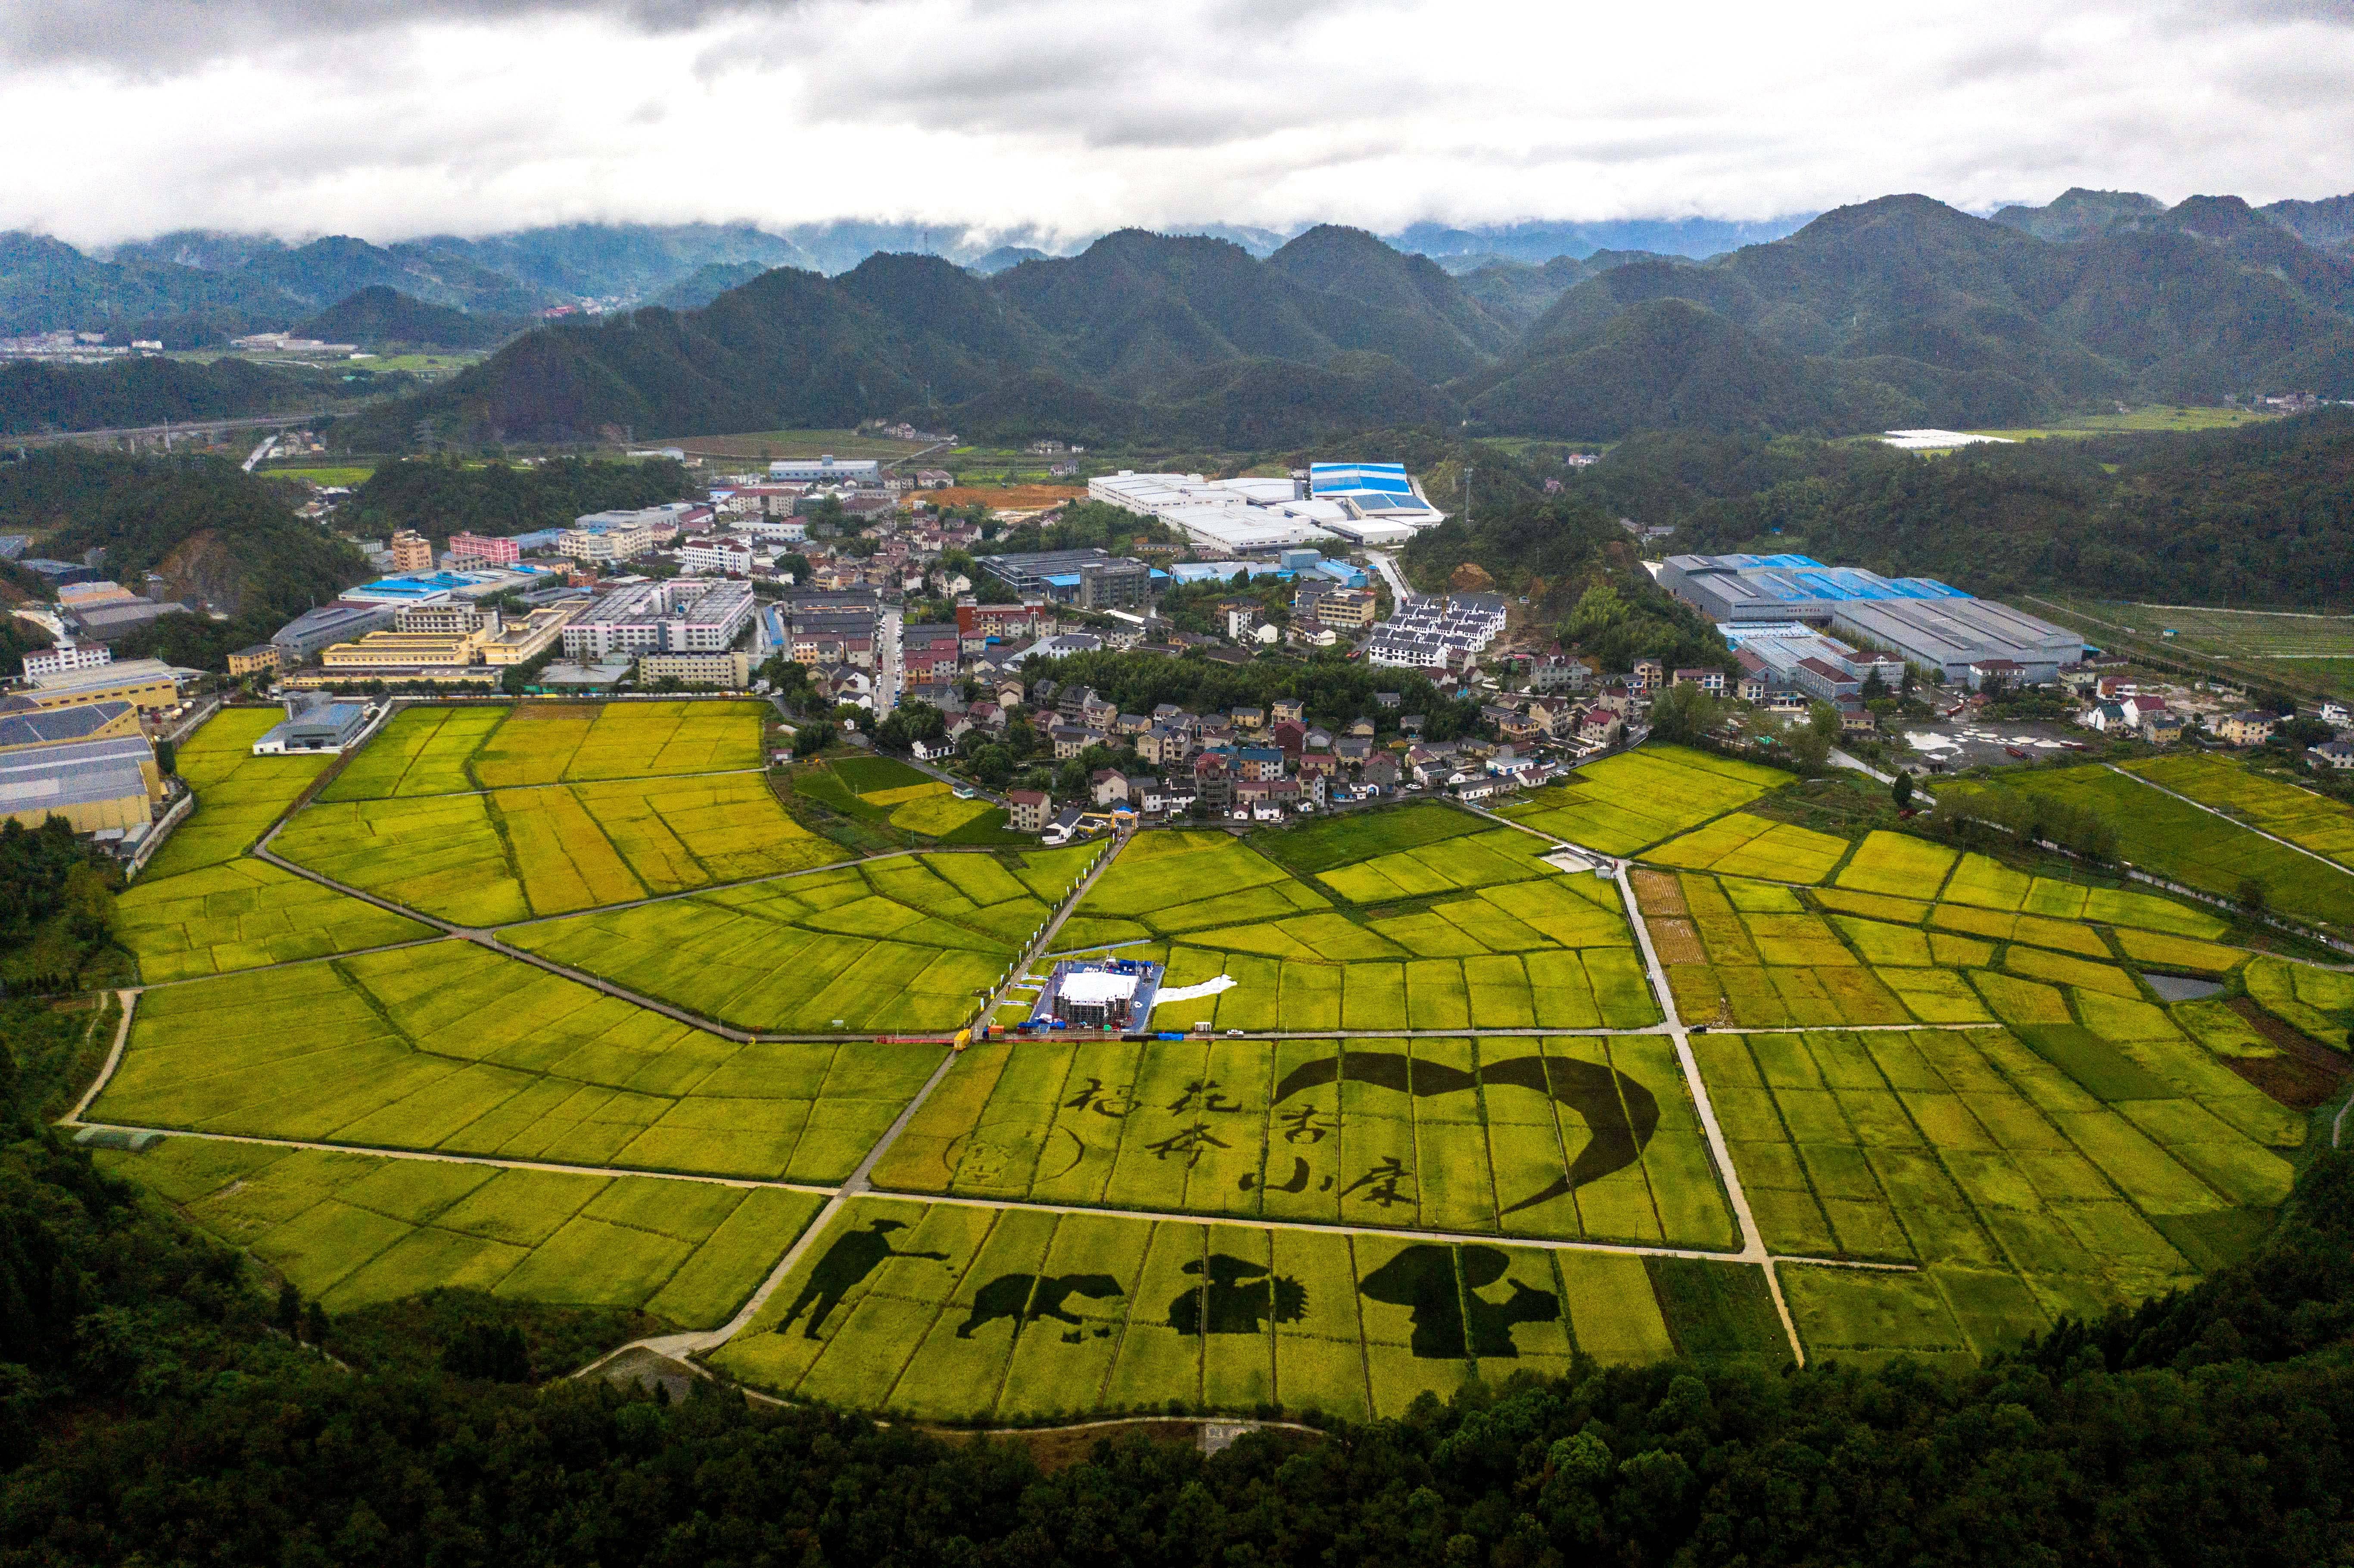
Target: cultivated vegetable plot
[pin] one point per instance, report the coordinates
(1473, 932)
(948, 1311)
(1583, 1138)
(891, 793)
(2176, 840)
(904, 942)
(1636, 798)
(351, 1229)
(495, 857)
(2044, 1170)
(449, 1046)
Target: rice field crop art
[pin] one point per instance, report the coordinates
(944, 1311)
(450, 1047)
(353, 1229)
(899, 943)
(1583, 1137)
(1637, 799)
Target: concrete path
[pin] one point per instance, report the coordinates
(1755, 1250)
(2226, 816)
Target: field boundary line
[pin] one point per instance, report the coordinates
(858, 1183)
(129, 997)
(552, 784)
(1336, 1227)
(1755, 1251)
(2237, 822)
(291, 963)
(441, 1158)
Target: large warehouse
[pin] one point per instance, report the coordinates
(1929, 624)
(1368, 503)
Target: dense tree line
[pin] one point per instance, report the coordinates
(442, 496)
(35, 397)
(2253, 513)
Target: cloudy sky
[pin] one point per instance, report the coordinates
(390, 118)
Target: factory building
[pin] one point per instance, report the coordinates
(684, 615)
(1091, 579)
(1926, 623)
(826, 470)
(1366, 504)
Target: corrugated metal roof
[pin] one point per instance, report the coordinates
(51, 727)
(73, 775)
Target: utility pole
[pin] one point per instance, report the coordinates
(1467, 471)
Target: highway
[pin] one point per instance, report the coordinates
(175, 427)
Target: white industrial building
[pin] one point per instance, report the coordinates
(826, 470)
(684, 615)
(1366, 504)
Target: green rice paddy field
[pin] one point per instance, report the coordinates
(2316, 822)
(1468, 931)
(1583, 1138)
(2026, 1173)
(945, 1311)
(2176, 840)
(449, 1046)
(2063, 1139)
(1637, 799)
(350, 1230)
(903, 942)
(203, 907)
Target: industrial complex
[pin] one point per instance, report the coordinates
(1927, 624)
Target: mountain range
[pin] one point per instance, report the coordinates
(1896, 312)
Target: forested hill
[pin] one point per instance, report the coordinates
(1896, 312)
(147, 391)
(2253, 514)
(212, 532)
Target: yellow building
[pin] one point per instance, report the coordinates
(79, 764)
(381, 651)
(411, 552)
(524, 641)
(254, 661)
(732, 670)
(144, 684)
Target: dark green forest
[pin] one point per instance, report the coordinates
(211, 530)
(2255, 514)
(442, 496)
(147, 391)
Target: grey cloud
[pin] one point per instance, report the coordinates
(159, 37)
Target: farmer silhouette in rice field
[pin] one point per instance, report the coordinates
(845, 1263)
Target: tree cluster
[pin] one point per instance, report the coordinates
(438, 497)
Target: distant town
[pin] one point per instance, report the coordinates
(862, 593)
